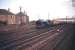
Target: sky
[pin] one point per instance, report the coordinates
(40, 9)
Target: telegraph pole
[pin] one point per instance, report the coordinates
(48, 15)
(38, 17)
(66, 19)
(73, 19)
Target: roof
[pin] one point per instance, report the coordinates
(20, 14)
(5, 12)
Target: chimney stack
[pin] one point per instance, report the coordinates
(8, 9)
(20, 8)
(24, 11)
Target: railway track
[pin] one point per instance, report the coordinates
(37, 43)
(22, 36)
(58, 41)
(15, 31)
(26, 40)
(15, 28)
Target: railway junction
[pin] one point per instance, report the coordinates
(59, 37)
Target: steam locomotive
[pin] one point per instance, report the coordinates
(42, 24)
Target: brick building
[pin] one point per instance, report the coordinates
(11, 18)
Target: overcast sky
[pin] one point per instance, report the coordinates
(40, 8)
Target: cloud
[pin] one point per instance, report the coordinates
(41, 8)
